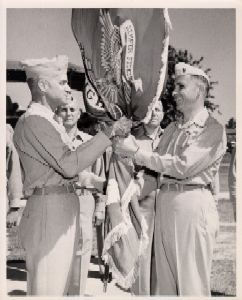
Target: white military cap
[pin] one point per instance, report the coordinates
(185, 69)
(45, 67)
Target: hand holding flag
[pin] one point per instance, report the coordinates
(122, 127)
(126, 146)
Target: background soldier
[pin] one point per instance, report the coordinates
(93, 176)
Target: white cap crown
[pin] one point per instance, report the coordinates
(45, 67)
(185, 69)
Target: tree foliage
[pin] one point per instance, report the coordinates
(175, 56)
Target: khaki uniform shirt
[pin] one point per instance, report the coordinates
(46, 158)
(189, 153)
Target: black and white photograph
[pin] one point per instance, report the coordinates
(120, 150)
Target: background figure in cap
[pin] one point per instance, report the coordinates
(49, 228)
(92, 202)
(188, 158)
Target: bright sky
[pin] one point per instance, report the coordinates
(210, 33)
(35, 33)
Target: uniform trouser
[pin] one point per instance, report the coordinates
(49, 231)
(185, 228)
(83, 255)
(142, 285)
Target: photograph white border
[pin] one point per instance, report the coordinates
(124, 3)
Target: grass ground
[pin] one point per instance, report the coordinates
(223, 275)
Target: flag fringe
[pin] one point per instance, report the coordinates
(128, 194)
(164, 60)
(119, 230)
(114, 235)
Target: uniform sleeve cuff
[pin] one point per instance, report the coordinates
(142, 156)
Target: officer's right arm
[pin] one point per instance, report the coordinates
(47, 141)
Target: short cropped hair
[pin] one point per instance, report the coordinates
(202, 80)
(31, 83)
(33, 86)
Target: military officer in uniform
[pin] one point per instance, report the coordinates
(49, 228)
(188, 158)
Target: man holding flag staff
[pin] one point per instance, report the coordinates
(49, 228)
(188, 158)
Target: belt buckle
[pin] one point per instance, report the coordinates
(177, 186)
(73, 187)
(70, 188)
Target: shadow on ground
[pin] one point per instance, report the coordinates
(94, 274)
(17, 293)
(16, 271)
